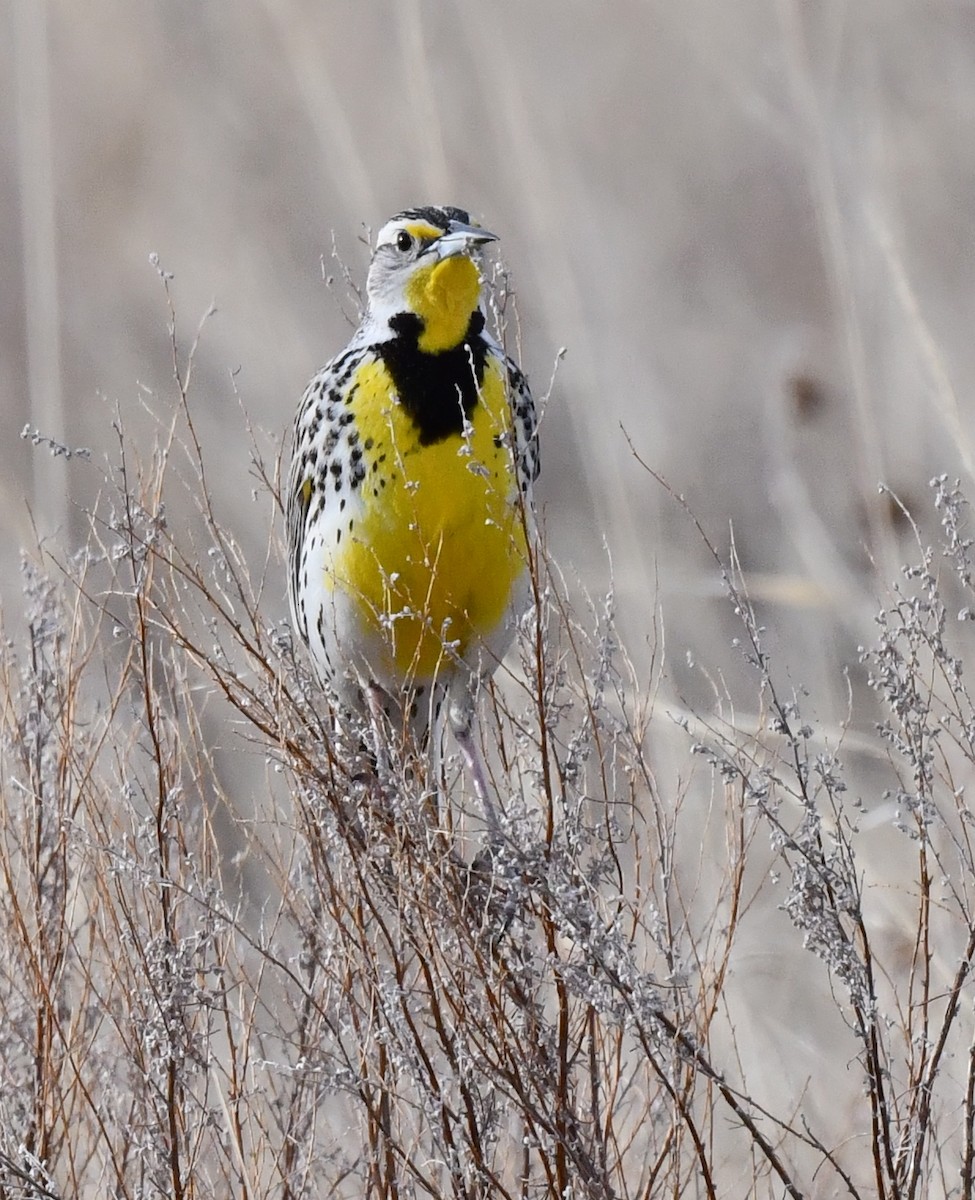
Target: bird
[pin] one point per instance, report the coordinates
(409, 498)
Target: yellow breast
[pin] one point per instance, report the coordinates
(433, 559)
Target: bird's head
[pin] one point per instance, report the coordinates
(425, 273)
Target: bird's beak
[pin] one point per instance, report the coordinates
(461, 239)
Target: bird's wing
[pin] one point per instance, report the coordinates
(525, 426)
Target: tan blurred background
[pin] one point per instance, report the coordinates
(749, 224)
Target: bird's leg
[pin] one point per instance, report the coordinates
(492, 874)
(398, 745)
(376, 700)
(423, 748)
(460, 714)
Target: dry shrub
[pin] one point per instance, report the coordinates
(238, 961)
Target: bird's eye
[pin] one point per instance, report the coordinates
(404, 241)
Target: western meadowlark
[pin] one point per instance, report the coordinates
(409, 498)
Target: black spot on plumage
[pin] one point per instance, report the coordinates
(438, 391)
(343, 368)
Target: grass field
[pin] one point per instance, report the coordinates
(725, 950)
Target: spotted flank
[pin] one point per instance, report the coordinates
(409, 497)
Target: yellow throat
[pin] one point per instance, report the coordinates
(443, 296)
